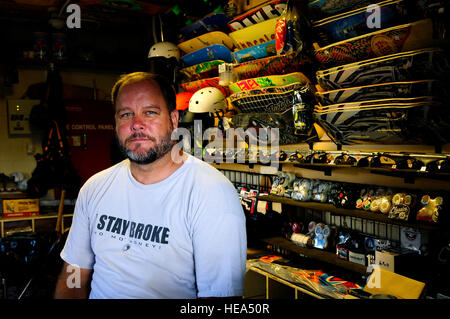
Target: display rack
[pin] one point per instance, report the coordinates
(31, 219)
(359, 213)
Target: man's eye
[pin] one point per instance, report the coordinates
(150, 112)
(128, 114)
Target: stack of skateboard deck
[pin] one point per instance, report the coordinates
(205, 45)
(381, 74)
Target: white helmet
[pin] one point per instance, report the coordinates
(209, 99)
(164, 49)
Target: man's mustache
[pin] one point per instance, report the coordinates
(139, 135)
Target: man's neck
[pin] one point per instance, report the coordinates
(160, 169)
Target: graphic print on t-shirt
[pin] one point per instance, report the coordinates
(147, 235)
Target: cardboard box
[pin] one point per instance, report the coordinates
(385, 282)
(20, 207)
(400, 261)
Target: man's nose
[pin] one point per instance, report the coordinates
(138, 123)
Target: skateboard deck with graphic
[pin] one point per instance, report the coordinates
(381, 91)
(421, 64)
(206, 40)
(355, 23)
(211, 53)
(211, 22)
(398, 124)
(273, 99)
(256, 52)
(255, 34)
(262, 13)
(268, 81)
(274, 65)
(406, 37)
(203, 83)
(199, 71)
(324, 8)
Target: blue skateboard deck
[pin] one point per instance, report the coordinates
(256, 52)
(212, 22)
(210, 53)
(355, 23)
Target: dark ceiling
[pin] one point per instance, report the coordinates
(112, 31)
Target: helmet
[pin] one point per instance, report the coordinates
(164, 49)
(209, 99)
(183, 100)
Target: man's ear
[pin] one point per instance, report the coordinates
(174, 117)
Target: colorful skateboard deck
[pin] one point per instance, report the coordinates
(274, 65)
(273, 99)
(325, 8)
(256, 34)
(355, 23)
(211, 53)
(262, 13)
(422, 64)
(401, 38)
(380, 91)
(211, 22)
(268, 81)
(203, 70)
(256, 52)
(406, 124)
(205, 40)
(203, 83)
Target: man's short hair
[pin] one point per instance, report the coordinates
(166, 88)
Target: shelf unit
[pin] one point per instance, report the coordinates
(322, 255)
(31, 219)
(359, 213)
(260, 284)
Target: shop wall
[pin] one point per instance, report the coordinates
(17, 153)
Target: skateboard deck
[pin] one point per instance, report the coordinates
(406, 37)
(262, 13)
(199, 71)
(255, 34)
(274, 65)
(273, 99)
(325, 8)
(211, 22)
(355, 23)
(268, 81)
(205, 40)
(381, 91)
(422, 64)
(211, 53)
(256, 52)
(203, 83)
(405, 124)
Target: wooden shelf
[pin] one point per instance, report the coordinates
(322, 255)
(32, 219)
(13, 195)
(359, 213)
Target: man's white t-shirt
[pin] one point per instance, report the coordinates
(183, 237)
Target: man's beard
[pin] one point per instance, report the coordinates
(153, 154)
